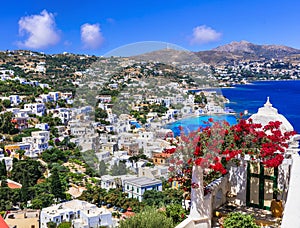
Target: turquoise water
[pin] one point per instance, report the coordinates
(193, 123)
(284, 95)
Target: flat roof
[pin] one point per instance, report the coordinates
(143, 181)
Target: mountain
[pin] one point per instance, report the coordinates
(169, 56)
(247, 47)
(245, 50)
(226, 54)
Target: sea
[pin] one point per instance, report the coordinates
(284, 96)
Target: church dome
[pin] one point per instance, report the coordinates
(268, 113)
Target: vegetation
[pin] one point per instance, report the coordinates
(117, 170)
(15, 88)
(64, 225)
(148, 218)
(56, 185)
(159, 199)
(176, 212)
(239, 220)
(6, 126)
(29, 169)
(3, 172)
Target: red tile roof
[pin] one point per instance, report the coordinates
(128, 213)
(13, 185)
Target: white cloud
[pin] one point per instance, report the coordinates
(40, 30)
(204, 34)
(91, 36)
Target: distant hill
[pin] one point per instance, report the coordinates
(169, 56)
(245, 50)
(226, 54)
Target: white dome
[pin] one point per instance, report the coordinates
(268, 113)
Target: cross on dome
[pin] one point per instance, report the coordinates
(268, 103)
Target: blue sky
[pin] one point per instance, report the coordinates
(97, 27)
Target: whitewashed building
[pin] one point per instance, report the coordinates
(136, 187)
(80, 213)
(109, 181)
(15, 99)
(35, 108)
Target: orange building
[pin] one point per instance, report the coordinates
(161, 158)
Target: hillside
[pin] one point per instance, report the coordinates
(245, 50)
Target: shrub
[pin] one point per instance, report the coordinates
(148, 218)
(239, 220)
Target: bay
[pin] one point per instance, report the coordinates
(284, 96)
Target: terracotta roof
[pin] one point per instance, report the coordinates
(3, 224)
(162, 155)
(128, 214)
(13, 185)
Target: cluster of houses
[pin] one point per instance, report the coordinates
(112, 143)
(264, 69)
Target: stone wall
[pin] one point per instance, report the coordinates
(213, 200)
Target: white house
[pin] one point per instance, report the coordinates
(136, 187)
(43, 126)
(153, 172)
(38, 141)
(35, 108)
(8, 162)
(42, 98)
(103, 156)
(64, 114)
(108, 181)
(44, 86)
(80, 213)
(54, 95)
(14, 99)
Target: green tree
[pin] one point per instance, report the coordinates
(32, 168)
(176, 212)
(64, 225)
(3, 182)
(6, 126)
(51, 225)
(100, 114)
(42, 200)
(24, 189)
(148, 218)
(117, 170)
(6, 103)
(3, 172)
(56, 185)
(154, 198)
(102, 168)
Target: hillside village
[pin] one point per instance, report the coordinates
(83, 138)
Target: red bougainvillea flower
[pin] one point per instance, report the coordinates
(213, 146)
